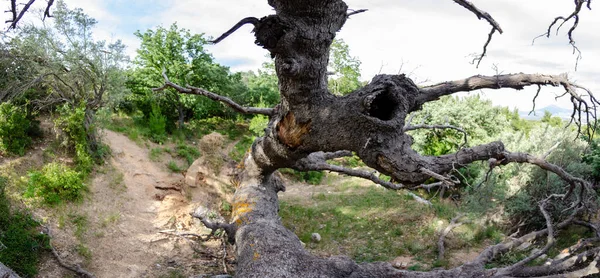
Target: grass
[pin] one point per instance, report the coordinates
(21, 244)
(155, 154)
(189, 153)
(371, 224)
(172, 165)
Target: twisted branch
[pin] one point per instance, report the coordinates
(575, 16)
(201, 92)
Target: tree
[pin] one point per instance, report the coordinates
(183, 57)
(345, 69)
(65, 66)
(312, 125)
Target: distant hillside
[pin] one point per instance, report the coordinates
(539, 113)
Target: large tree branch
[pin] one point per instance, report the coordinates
(584, 102)
(225, 100)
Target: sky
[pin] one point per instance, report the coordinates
(429, 40)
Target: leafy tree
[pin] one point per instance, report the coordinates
(183, 58)
(66, 66)
(345, 69)
(552, 121)
(262, 86)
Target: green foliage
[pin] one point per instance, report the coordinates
(55, 183)
(14, 129)
(346, 69)
(262, 86)
(552, 121)
(189, 153)
(258, 125)
(310, 177)
(72, 123)
(185, 61)
(21, 245)
(592, 158)
(157, 124)
(172, 165)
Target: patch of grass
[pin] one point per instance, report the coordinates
(111, 219)
(155, 154)
(21, 244)
(189, 153)
(240, 148)
(172, 165)
(81, 225)
(372, 225)
(231, 128)
(84, 251)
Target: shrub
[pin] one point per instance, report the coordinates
(157, 124)
(55, 183)
(14, 128)
(20, 242)
(189, 153)
(72, 123)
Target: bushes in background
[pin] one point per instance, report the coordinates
(16, 129)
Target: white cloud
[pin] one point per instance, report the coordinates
(427, 39)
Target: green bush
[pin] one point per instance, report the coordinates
(55, 183)
(14, 128)
(310, 177)
(72, 123)
(20, 243)
(157, 124)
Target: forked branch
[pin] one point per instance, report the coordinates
(583, 101)
(579, 4)
(190, 90)
(17, 16)
(487, 17)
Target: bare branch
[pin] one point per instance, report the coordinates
(303, 166)
(201, 92)
(47, 11)
(76, 268)
(575, 16)
(481, 15)
(356, 12)
(13, 25)
(203, 215)
(248, 20)
(455, 222)
(585, 102)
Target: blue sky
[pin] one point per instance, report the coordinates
(429, 40)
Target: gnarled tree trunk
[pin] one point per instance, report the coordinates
(370, 122)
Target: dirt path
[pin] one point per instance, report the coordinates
(125, 213)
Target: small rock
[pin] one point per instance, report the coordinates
(316, 237)
(321, 227)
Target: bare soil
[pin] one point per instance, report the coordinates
(125, 215)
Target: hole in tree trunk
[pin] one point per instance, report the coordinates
(383, 107)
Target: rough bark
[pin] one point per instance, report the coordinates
(370, 122)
